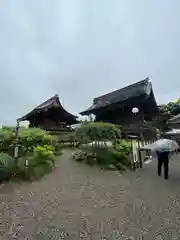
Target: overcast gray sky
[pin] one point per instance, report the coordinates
(80, 49)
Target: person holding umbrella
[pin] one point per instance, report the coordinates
(163, 147)
(163, 152)
(163, 160)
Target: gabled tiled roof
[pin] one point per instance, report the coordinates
(137, 89)
(51, 102)
(127, 92)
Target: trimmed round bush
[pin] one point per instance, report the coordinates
(97, 131)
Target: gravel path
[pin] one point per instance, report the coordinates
(76, 202)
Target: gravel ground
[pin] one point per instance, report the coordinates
(76, 202)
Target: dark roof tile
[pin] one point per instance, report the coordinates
(137, 89)
(125, 93)
(51, 102)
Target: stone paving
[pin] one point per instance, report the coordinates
(76, 202)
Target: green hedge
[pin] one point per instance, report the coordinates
(36, 147)
(115, 157)
(97, 131)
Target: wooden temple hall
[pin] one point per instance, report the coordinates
(118, 107)
(50, 115)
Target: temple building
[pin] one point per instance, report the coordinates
(117, 107)
(50, 115)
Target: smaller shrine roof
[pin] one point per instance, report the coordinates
(52, 102)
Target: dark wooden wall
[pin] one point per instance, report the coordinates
(123, 116)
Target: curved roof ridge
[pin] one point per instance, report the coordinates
(135, 90)
(52, 101)
(142, 82)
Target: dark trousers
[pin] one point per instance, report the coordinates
(163, 159)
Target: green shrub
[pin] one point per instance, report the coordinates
(114, 157)
(6, 166)
(6, 138)
(97, 131)
(120, 157)
(58, 148)
(106, 158)
(87, 157)
(28, 138)
(6, 134)
(120, 166)
(124, 146)
(35, 165)
(32, 137)
(40, 170)
(45, 153)
(79, 156)
(42, 156)
(122, 152)
(36, 146)
(117, 156)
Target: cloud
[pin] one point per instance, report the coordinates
(81, 49)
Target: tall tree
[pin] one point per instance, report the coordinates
(167, 111)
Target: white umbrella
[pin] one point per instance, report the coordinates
(162, 145)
